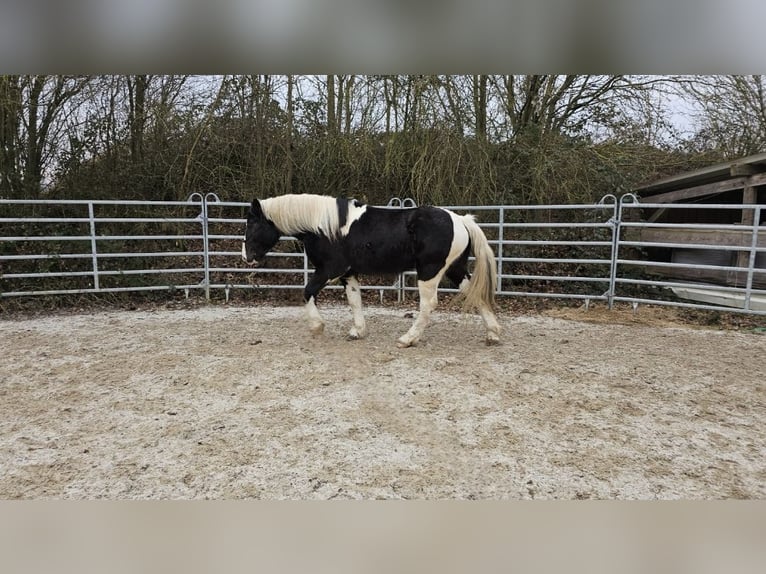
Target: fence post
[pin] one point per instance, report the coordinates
(616, 228)
(614, 221)
(500, 251)
(202, 218)
(406, 203)
(751, 258)
(93, 245)
(400, 203)
(209, 197)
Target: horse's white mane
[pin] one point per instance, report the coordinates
(300, 213)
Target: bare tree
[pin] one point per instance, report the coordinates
(733, 113)
(44, 105)
(391, 94)
(436, 137)
(556, 104)
(164, 103)
(202, 128)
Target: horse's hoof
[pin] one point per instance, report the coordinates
(317, 330)
(354, 335)
(405, 344)
(492, 341)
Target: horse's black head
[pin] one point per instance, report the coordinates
(260, 235)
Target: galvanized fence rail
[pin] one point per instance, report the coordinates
(589, 252)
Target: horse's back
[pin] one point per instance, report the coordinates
(387, 240)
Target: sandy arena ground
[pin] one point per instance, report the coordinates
(234, 402)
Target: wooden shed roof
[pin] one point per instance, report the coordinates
(735, 174)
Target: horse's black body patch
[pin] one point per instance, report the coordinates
(342, 204)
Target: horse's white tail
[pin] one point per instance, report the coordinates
(481, 289)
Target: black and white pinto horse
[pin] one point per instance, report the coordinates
(344, 238)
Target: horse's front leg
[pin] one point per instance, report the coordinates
(313, 287)
(354, 296)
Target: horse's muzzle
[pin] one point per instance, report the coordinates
(252, 261)
(244, 255)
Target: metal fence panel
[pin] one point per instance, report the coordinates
(90, 250)
(588, 252)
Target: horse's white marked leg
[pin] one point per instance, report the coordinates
(428, 301)
(493, 327)
(316, 325)
(488, 316)
(354, 296)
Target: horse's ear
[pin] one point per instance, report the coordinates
(255, 208)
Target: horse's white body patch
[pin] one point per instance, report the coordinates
(354, 213)
(460, 237)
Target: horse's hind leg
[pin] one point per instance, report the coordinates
(354, 296)
(459, 276)
(428, 302)
(488, 316)
(490, 322)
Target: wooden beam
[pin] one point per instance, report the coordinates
(697, 191)
(758, 179)
(729, 238)
(738, 169)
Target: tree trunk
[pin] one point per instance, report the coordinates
(389, 104)
(331, 123)
(10, 109)
(348, 92)
(33, 168)
(289, 137)
(137, 86)
(480, 106)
